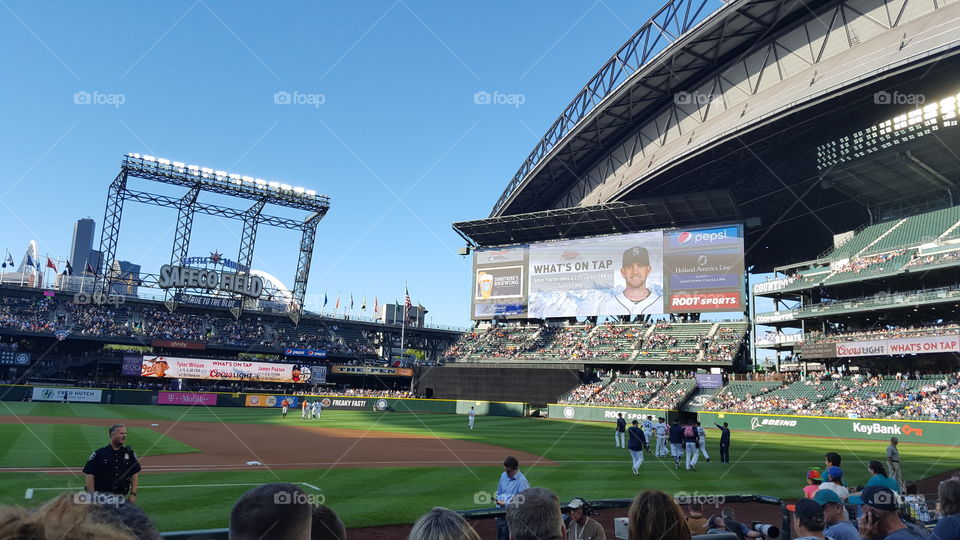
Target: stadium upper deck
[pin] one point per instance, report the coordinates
(740, 102)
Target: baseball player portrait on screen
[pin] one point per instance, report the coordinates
(639, 296)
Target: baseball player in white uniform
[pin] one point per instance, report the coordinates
(647, 426)
(703, 441)
(662, 438)
(470, 418)
(638, 297)
(315, 413)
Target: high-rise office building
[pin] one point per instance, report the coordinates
(83, 231)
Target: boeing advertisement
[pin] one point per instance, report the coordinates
(676, 271)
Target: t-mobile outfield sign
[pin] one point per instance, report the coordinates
(41, 393)
(186, 398)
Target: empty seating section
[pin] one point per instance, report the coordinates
(860, 240)
(918, 229)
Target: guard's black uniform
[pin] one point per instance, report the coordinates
(112, 469)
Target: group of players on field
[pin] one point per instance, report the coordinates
(685, 441)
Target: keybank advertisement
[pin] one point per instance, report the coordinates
(172, 367)
(676, 271)
(72, 394)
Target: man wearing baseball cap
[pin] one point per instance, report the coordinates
(581, 527)
(880, 520)
(638, 297)
(807, 520)
(838, 527)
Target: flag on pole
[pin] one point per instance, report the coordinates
(376, 305)
(68, 271)
(51, 265)
(325, 299)
(90, 269)
(9, 261)
(351, 300)
(363, 304)
(407, 304)
(337, 306)
(30, 261)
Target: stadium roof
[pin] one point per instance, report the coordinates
(675, 49)
(608, 218)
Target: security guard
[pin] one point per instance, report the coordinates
(114, 468)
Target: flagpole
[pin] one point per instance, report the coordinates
(403, 320)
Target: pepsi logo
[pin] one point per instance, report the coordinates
(684, 237)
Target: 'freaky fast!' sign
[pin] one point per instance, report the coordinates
(199, 278)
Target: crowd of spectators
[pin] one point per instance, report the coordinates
(146, 323)
(883, 333)
(860, 264)
(938, 258)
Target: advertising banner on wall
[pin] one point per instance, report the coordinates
(172, 367)
(313, 353)
(171, 344)
(186, 398)
(41, 393)
(260, 400)
(882, 347)
(14, 358)
(676, 271)
(709, 380)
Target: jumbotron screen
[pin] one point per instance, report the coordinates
(668, 271)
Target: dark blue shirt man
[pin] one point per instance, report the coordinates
(676, 443)
(618, 434)
(637, 443)
(724, 442)
(114, 468)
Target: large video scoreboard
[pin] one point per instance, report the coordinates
(666, 271)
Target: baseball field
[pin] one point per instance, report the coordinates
(381, 468)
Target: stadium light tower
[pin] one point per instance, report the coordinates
(199, 179)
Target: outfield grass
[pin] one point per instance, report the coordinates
(587, 464)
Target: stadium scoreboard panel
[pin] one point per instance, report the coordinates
(690, 270)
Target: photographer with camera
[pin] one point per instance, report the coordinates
(737, 528)
(580, 526)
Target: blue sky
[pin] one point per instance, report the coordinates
(387, 125)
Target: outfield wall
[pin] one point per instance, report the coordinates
(910, 431)
(592, 413)
(221, 399)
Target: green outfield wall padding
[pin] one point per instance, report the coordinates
(131, 397)
(604, 414)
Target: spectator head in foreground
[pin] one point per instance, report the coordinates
(655, 516)
(833, 511)
(326, 524)
(880, 518)
(442, 524)
(831, 459)
(835, 475)
(126, 516)
(534, 514)
(274, 510)
(808, 520)
(63, 517)
(949, 493)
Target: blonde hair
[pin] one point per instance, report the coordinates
(62, 517)
(442, 524)
(655, 516)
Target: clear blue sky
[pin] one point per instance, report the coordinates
(398, 143)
